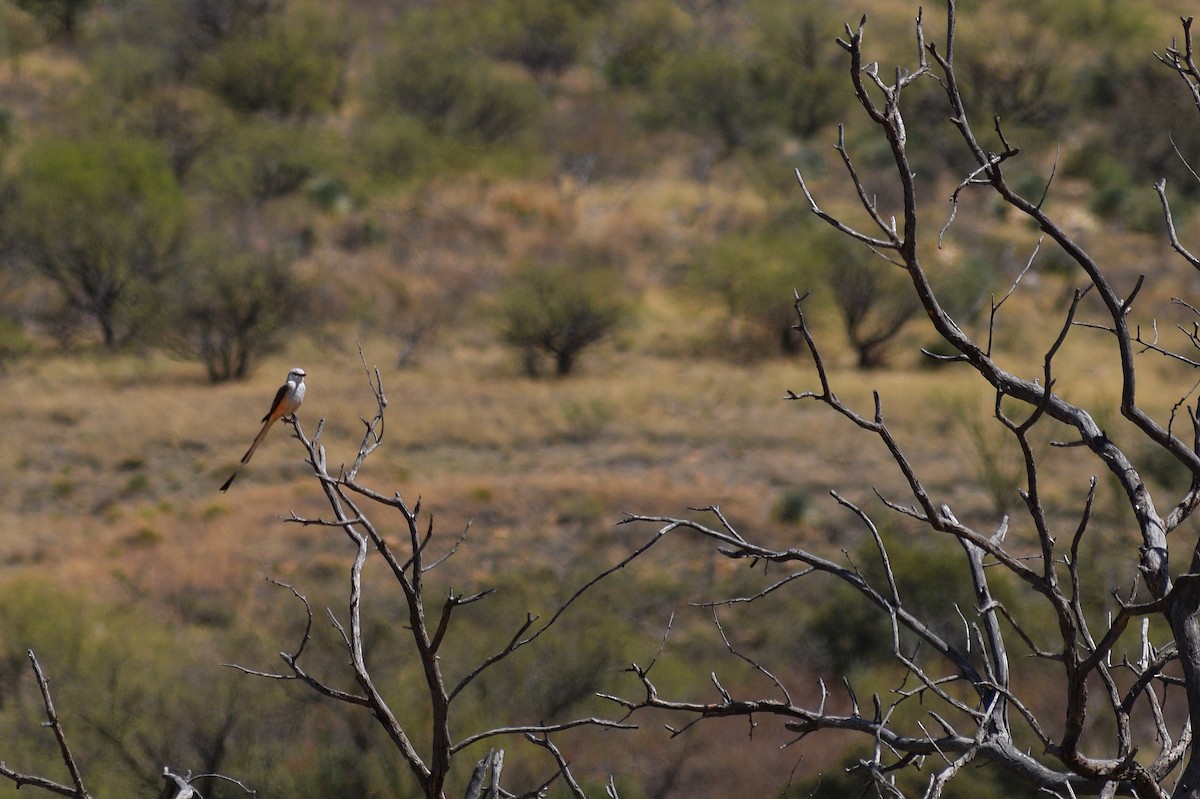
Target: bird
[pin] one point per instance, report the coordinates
(287, 400)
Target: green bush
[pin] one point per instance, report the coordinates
(430, 72)
(846, 632)
(1119, 197)
(798, 69)
(126, 72)
(396, 147)
(259, 160)
(102, 217)
(14, 343)
(232, 307)
(634, 42)
(8, 126)
(792, 506)
(706, 89)
(290, 67)
(559, 309)
(1010, 66)
(19, 33)
(756, 276)
(546, 36)
(58, 17)
(1125, 144)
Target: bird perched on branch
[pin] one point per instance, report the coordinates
(287, 400)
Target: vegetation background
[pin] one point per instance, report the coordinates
(198, 195)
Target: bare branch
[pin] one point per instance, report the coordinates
(76, 789)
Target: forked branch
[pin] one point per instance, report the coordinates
(359, 515)
(1049, 555)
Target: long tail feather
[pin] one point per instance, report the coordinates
(249, 453)
(225, 486)
(257, 440)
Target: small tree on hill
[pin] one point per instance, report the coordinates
(1039, 614)
(59, 17)
(18, 33)
(290, 66)
(874, 307)
(431, 725)
(559, 310)
(102, 218)
(232, 307)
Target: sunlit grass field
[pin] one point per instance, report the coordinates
(115, 461)
(134, 577)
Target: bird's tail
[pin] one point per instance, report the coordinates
(249, 453)
(225, 486)
(257, 440)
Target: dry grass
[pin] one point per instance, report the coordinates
(116, 459)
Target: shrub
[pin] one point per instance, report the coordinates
(558, 310)
(755, 275)
(14, 343)
(259, 160)
(232, 307)
(429, 73)
(58, 17)
(798, 67)
(289, 67)
(545, 36)
(102, 218)
(396, 147)
(706, 89)
(633, 43)
(792, 506)
(19, 33)
(846, 632)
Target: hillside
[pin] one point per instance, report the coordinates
(377, 176)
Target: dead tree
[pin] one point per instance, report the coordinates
(362, 514)
(973, 686)
(176, 786)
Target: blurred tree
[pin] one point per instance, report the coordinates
(189, 122)
(178, 36)
(232, 305)
(392, 147)
(1011, 67)
(103, 219)
(121, 672)
(1135, 93)
(848, 635)
(634, 42)
(14, 342)
(546, 36)
(19, 33)
(58, 17)
(797, 68)
(560, 308)
(873, 305)
(755, 274)
(706, 89)
(215, 20)
(291, 65)
(258, 160)
(430, 70)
